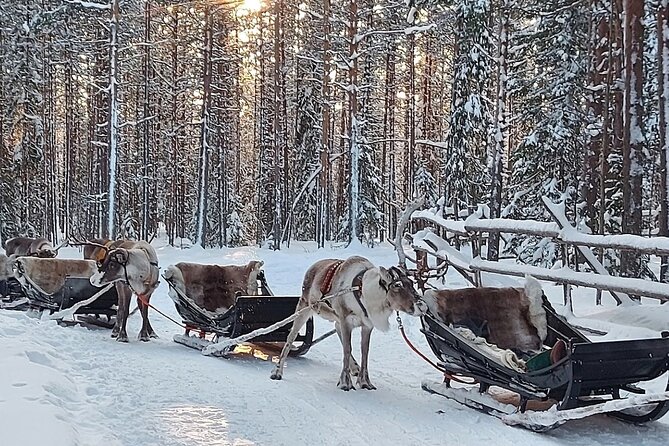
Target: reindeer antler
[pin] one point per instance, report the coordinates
(402, 223)
(88, 243)
(65, 242)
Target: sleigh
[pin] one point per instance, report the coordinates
(11, 295)
(591, 378)
(62, 288)
(249, 314)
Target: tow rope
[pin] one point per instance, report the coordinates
(428, 360)
(143, 300)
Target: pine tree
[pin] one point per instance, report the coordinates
(470, 116)
(548, 93)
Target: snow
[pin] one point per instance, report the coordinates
(77, 386)
(90, 5)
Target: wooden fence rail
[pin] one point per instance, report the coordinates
(474, 229)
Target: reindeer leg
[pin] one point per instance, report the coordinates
(124, 295)
(294, 331)
(144, 333)
(345, 382)
(354, 368)
(363, 377)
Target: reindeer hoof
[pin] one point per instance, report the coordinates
(144, 337)
(114, 334)
(345, 382)
(275, 376)
(122, 338)
(367, 386)
(153, 335)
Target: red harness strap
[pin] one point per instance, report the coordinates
(329, 275)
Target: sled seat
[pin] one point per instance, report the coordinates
(248, 314)
(590, 373)
(58, 284)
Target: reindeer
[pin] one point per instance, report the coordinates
(361, 295)
(133, 267)
(26, 246)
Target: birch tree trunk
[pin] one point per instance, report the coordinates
(114, 107)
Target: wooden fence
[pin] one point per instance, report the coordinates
(474, 230)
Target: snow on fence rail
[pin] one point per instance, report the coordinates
(563, 275)
(562, 232)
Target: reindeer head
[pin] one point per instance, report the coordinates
(112, 268)
(400, 291)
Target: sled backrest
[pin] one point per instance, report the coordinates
(215, 287)
(505, 317)
(50, 275)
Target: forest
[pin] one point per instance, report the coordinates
(232, 122)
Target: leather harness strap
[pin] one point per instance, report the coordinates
(357, 290)
(329, 275)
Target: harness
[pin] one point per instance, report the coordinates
(357, 290)
(125, 272)
(326, 286)
(356, 285)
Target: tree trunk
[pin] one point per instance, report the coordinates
(353, 57)
(599, 30)
(500, 131)
(145, 137)
(663, 89)
(322, 212)
(633, 137)
(205, 135)
(114, 107)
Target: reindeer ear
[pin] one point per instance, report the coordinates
(121, 255)
(386, 277)
(396, 273)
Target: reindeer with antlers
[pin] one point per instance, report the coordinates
(133, 267)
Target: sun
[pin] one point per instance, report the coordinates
(251, 5)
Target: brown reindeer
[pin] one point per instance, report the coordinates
(381, 291)
(26, 246)
(133, 267)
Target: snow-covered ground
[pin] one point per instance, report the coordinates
(77, 386)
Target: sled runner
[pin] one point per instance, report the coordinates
(247, 314)
(58, 285)
(11, 295)
(590, 378)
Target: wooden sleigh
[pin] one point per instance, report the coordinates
(248, 314)
(62, 288)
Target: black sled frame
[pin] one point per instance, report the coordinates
(74, 290)
(587, 381)
(249, 313)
